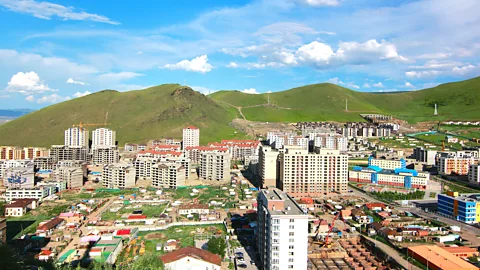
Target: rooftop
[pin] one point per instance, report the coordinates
(441, 258)
(192, 252)
(280, 203)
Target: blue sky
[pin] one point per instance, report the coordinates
(53, 50)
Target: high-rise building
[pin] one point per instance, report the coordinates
(105, 155)
(103, 137)
(474, 174)
(267, 163)
(455, 165)
(43, 163)
(168, 175)
(331, 141)
(425, 155)
(215, 166)
(312, 174)
(191, 137)
(73, 176)
(17, 153)
(282, 231)
(63, 152)
(77, 136)
(118, 175)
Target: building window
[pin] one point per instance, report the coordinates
(292, 220)
(290, 247)
(290, 267)
(291, 234)
(291, 227)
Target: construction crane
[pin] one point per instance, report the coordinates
(326, 243)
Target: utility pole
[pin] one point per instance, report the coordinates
(268, 95)
(346, 105)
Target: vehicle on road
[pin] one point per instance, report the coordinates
(241, 259)
(252, 262)
(242, 265)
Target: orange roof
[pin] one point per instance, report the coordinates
(441, 258)
(192, 252)
(206, 148)
(191, 127)
(160, 153)
(166, 146)
(460, 249)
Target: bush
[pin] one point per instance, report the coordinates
(217, 245)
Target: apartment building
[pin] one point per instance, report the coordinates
(143, 167)
(63, 152)
(268, 167)
(43, 163)
(103, 137)
(19, 177)
(18, 153)
(425, 155)
(168, 175)
(194, 153)
(5, 164)
(330, 141)
(38, 193)
(282, 231)
(59, 185)
(455, 165)
(73, 176)
(166, 148)
(387, 164)
(77, 137)
(105, 155)
(215, 166)
(239, 149)
(474, 173)
(297, 141)
(397, 178)
(158, 154)
(191, 137)
(167, 141)
(312, 174)
(461, 207)
(118, 175)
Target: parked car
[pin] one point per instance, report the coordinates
(242, 265)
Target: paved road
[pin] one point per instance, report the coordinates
(394, 254)
(247, 256)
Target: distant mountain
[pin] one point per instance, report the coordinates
(14, 113)
(162, 111)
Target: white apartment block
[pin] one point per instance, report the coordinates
(59, 185)
(474, 174)
(267, 163)
(5, 164)
(194, 153)
(387, 164)
(331, 141)
(425, 155)
(77, 136)
(297, 141)
(143, 167)
(105, 155)
(168, 175)
(43, 163)
(282, 231)
(38, 193)
(215, 166)
(312, 174)
(63, 152)
(103, 137)
(118, 175)
(455, 165)
(19, 177)
(191, 137)
(73, 176)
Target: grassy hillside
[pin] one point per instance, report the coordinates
(137, 116)
(319, 102)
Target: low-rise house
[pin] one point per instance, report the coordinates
(360, 216)
(72, 218)
(46, 228)
(171, 245)
(20, 207)
(346, 214)
(193, 209)
(106, 250)
(390, 234)
(375, 206)
(46, 255)
(191, 258)
(374, 228)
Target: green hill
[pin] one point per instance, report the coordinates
(323, 102)
(163, 111)
(137, 116)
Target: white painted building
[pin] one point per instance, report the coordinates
(77, 136)
(282, 231)
(191, 136)
(73, 176)
(118, 175)
(103, 137)
(191, 258)
(331, 141)
(19, 177)
(168, 175)
(38, 193)
(474, 174)
(215, 166)
(267, 160)
(105, 155)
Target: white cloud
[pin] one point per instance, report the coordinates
(437, 65)
(336, 80)
(232, 65)
(315, 52)
(53, 98)
(250, 91)
(366, 85)
(120, 76)
(378, 85)
(352, 85)
(30, 98)
(409, 85)
(72, 81)
(27, 83)
(320, 3)
(464, 69)
(434, 56)
(80, 94)
(204, 90)
(47, 10)
(422, 74)
(198, 64)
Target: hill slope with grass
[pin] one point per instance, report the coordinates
(136, 116)
(323, 102)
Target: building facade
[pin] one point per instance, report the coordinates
(331, 141)
(72, 176)
(191, 137)
(17, 153)
(105, 155)
(282, 231)
(118, 175)
(397, 178)
(464, 208)
(455, 165)
(312, 174)
(215, 166)
(63, 152)
(38, 193)
(268, 166)
(474, 173)
(168, 175)
(19, 177)
(425, 155)
(77, 137)
(103, 137)
(388, 164)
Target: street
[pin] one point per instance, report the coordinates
(247, 255)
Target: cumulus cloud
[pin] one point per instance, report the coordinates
(315, 52)
(30, 98)
(366, 85)
(204, 90)
(80, 94)
(47, 10)
(72, 81)
(378, 85)
(337, 81)
(232, 65)
(422, 73)
(53, 98)
(119, 76)
(409, 85)
(464, 69)
(198, 64)
(320, 3)
(250, 91)
(27, 83)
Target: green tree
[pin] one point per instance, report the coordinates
(148, 262)
(217, 245)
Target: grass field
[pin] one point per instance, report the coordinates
(467, 131)
(149, 210)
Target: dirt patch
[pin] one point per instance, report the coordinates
(152, 236)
